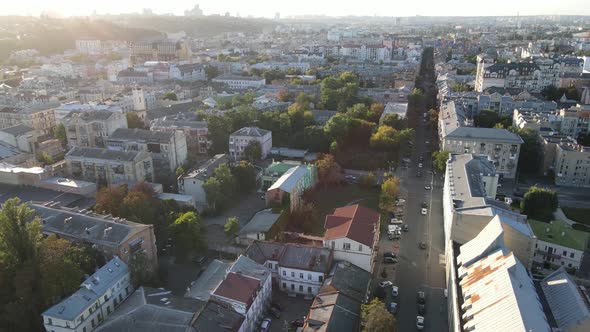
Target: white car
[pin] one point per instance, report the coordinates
(385, 283)
(427, 187)
(394, 291)
(265, 325)
(419, 323)
(420, 165)
(424, 211)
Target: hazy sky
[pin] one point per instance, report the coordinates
(268, 8)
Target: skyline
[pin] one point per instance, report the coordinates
(267, 8)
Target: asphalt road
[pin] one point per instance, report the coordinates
(420, 269)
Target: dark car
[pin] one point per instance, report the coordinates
(275, 312)
(405, 228)
(421, 309)
(421, 297)
(424, 205)
(389, 254)
(422, 245)
(297, 322)
(389, 260)
(419, 174)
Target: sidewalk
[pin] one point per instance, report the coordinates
(559, 215)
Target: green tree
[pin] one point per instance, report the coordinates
(376, 318)
(188, 235)
(389, 190)
(315, 139)
(253, 151)
(384, 139)
(44, 158)
(20, 232)
(245, 176)
(539, 203)
(439, 161)
(219, 129)
(59, 132)
(329, 172)
(179, 171)
(211, 72)
(109, 200)
(171, 96)
(368, 180)
(338, 127)
(133, 121)
(214, 193)
(231, 227)
(394, 121)
(530, 151)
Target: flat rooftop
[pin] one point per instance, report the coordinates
(553, 233)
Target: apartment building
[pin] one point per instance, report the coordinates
(489, 288)
(89, 46)
(530, 76)
(64, 110)
(189, 72)
(296, 268)
(168, 149)
(574, 121)
(469, 204)
(240, 82)
(240, 139)
(191, 182)
(293, 185)
(98, 297)
(92, 128)
(196, 132)
(457, 136)
(109, 167)
(558, 245)
(42, 120)
(352, 232)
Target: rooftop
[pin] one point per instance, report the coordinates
(355, 222)
(99, 153)
(569, 305)
(305, 257)
(17, 130)
(280, 167)
(262, 251)
(333, 312)
(486, 134)
(207, 168)
(239, 288)
(251, 131)
(93, 115)
(90, 290)
(290, 179)
(348, 279)
(205, 285)
(218, 316)
(136, 134)
(559, 232)
(237, 78)
(262, 221)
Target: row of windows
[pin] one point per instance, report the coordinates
(346, 246)
(309, 276)
(309, 289)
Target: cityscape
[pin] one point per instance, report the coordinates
(329, 167)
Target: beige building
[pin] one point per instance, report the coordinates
(572, 164)
(109, 167)
(160, 50)
(469, 205)
(92, 128)
(42, 120)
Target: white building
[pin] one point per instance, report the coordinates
(191, 182)
(168, 149)
(108, 166)
(352, 232)
(42, 120)
(189, 72)
(240, 139)
(241, 82)
(89, 46)
(96, 299)
(92, 128)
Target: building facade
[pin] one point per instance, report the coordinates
(92, 128)
(240, 139)
(42, 120)
(241, 82)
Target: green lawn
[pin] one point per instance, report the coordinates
(326, 201)
(572, 238)
(578, 214)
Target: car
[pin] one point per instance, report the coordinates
(396, 221)
(199, 259)
(275, 312)
(389, 260)
(421, 309)
(400, 201)
(405, 228)
(393, 236)
(421, 297)
(424, 204)
(350, 177)
(420, 165)
(421, 159)
(427, 142)
(420, 323)
(389, 254)
(385, 283)
(427, 187)
(424, 211)
(392, 307)
(422, 245)
(265, 325)
(297, 322)
(263, 197)
(394, 291)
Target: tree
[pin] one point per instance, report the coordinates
(283, 95)
(389, 190)
(368, 180)
(140, 271)
(304, 217)
(133, 121)
(245, 176)
(539, 203)
(188, 234)
(59, 132)
(170, 96)
(315, 139)
(44, 158)
(329, 171)
(179, 171)
(530, 151)
(231, 227)
(384, 138)
(109, 200)
(376, 318)
(439, 161)
(253, 151)
(338, 127)
(394, 121)
(213, 192)
(20, 232)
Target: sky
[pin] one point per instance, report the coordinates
(268, 8)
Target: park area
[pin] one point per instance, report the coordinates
(579, 215)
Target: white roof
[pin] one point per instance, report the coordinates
(290, 179)
(565, 300)
(9, 168)
(491, 237)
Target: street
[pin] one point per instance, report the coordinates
(419, 269)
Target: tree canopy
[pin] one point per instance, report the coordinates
(539, 203)
(376, 318)
(188, 235)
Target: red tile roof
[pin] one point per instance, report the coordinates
(239, 288)
(355, 222)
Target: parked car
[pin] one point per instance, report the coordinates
(394, 291)
(421, 309)
(275, 312)
(420, 165)
(389, 260)
(421, 297)
(422, 245)
(265, 325)
(420, 323)
(427, 187)
(385, 283)
(393, 236)
(297, 322)
(389, 254)
(405, 228)
(424, 211)
(396, 221)
(424, 204)
(393, 307)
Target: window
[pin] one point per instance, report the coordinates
(569, 265)
(284, 273)
(346, 246)
(309, 289)
(300, 275)
(360, 247)
(292, 286)
(565, 253)
(333, 244)
(300, 288)
(572, 255)
(309, 276)
(292, 274)
(321, 278)
(284, 285)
